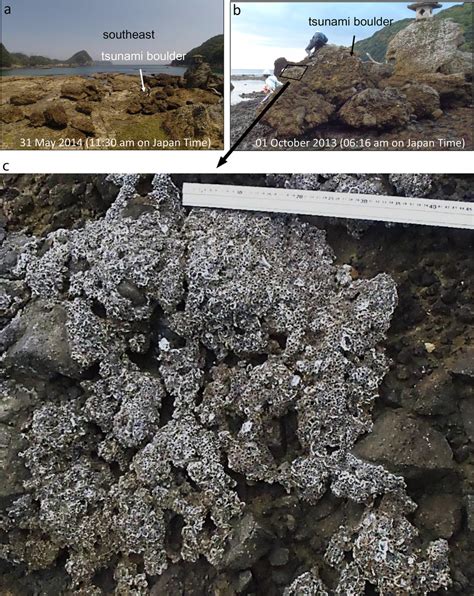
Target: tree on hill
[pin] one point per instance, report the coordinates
(212, 50)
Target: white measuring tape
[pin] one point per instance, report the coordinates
(450, 214)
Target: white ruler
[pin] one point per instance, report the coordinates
(449, 214)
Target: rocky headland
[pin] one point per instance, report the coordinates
(111, 111)
(421, 94)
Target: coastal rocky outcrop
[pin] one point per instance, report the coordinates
(114, 108)
(425, 77)
(185, 408)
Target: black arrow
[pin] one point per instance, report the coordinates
(224, 159)
(353, 42)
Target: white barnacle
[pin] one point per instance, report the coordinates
(164, 344)
(295, 380)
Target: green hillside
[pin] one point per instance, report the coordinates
(40, 61)
(9, 59)
(5, 57)
(376, 45)
(212, 50)
(464, 15)
(20, 59)
(81, 58)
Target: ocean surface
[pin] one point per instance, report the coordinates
(88, 71)
(245, 86)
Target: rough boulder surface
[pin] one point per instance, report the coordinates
(378, 109)
(430, 46)
(191, 358)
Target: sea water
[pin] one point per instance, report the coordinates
(88, 71)
(247, 86)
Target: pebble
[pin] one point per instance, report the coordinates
(243, 581)
(279, 557)
(164, 344)
(470, 512)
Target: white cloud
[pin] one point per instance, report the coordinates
(260, 52)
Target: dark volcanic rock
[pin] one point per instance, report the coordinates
(9, 114)
(134, 107)
(55, 116)
(249, 543)
(43, 203)
(11, 468)
(291, 119)
(84, 124)
(467, 414)
(164, 80)
(37, 119)
(470, 512)
(373, 108)
(73, 90)
(424, 100)
(433, 395)
(40, 342)
(84, 107)
(334, 74)
(439, 514)
(195, 122)
(242, 116)
(462, 364)
(24, 100)
(406, 445)
(378, 72)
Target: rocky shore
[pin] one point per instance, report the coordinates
(232, 403)
(422, 94)
(111, 111)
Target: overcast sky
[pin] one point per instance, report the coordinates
(268, 30)
(60, 28)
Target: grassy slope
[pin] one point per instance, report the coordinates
(377, 44)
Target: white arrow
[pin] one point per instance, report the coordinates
(143, 82)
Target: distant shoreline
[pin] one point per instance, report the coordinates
(246, 77)
(44, 66)
(90, 71)
(97, 64)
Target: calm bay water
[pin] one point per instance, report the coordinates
(88, 71)
(245, 86)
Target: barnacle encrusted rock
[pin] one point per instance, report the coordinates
(198, 341)
(383, 553)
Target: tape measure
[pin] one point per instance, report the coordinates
(449, 214)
